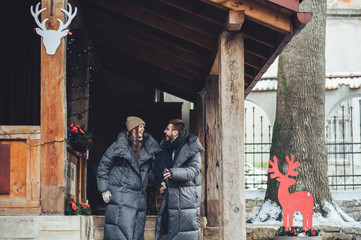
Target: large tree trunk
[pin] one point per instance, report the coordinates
(299, 125)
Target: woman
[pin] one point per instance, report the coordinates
(122, 179)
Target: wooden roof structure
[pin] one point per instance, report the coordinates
(171, 45)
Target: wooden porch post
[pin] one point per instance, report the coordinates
(231, 110)
(213, 151)
(53, 117)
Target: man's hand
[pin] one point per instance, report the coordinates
(168, 174)
(106, 196)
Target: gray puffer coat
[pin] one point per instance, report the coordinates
(120, 173)
(182, 198)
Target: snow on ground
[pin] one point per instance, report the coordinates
(333, 218)
(270, 210)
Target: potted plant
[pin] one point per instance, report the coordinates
(79, 139)
(76, 208)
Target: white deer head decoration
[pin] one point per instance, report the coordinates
(51, 38)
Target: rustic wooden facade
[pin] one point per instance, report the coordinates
(210, 52)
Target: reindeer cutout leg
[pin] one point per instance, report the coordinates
(285, 220)
(307, 220)
(291, 219)
(309, 217)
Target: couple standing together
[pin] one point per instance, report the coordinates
(175, 169)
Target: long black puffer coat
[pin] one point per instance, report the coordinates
(182, 198)
(120, 173)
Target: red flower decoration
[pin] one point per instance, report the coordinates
(74, 129)
(79, 139)
(73, 205)
(313, 233)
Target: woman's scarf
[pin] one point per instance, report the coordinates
(164, 158)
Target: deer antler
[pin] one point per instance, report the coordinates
(70, 17)
(275, 172)
(292, 166)
(36, 14)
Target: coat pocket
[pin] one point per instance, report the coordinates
(112, 214)
(120, 162)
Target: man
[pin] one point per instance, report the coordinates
(122, 179)
(177, 174)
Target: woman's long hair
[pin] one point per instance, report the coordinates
(135, 143)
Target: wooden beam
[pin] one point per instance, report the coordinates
(231, 101)
(111, 57)
(184, 19)
(248, 78)
(264, 15)
(259, 40)
(257, 49)
(214, 70)
(234, 21)
(152, 56)
(253, 61)
(148, 36)
(200, 9)
(53, 117)
(293, 5)
(213, 151)
(249, 71)
(126, 8)
(152, 82)
(19, 132)
(128, 69)
(261, 34)
(269, 61)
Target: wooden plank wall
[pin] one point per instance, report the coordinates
(24, 195)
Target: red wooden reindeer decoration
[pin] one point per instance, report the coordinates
(299, 201)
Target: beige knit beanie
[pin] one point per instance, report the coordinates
(133, 122)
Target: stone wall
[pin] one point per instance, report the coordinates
(92, 227)
(351, 207)
(267, 232)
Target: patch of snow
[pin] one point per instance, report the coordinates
(269, 211)
(336, 217)
(267, 214)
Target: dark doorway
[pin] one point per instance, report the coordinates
(19, 65)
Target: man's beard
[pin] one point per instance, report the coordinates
(168, 138)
